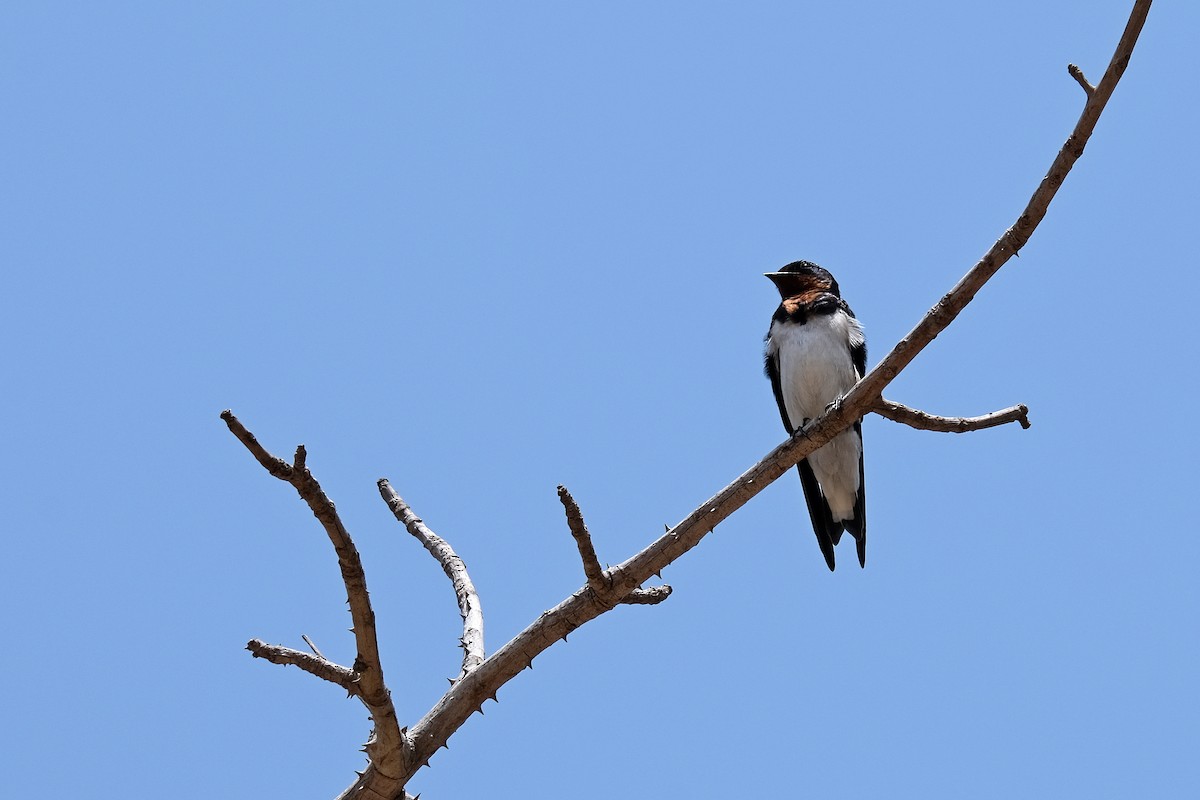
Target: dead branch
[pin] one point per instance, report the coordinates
(387, 743)
(583, 540)
(317, 664)
(924, 421)
(467, 696)
(391, 767)
(464, 590)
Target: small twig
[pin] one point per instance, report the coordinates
(311, 646)
(596, 577)
(921, 420)
(1077, 74)
(312, 664)
(468, 599)
(647, 597)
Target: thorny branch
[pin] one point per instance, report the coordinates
(468, 599)
(313, 664)
(387, 744)
(394, 761)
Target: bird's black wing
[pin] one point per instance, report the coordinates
(858, 528)
(771, 367)
(818, 509)
(858, 354)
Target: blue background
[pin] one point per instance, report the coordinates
(483, 251)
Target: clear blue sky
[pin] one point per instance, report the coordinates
(483, 251)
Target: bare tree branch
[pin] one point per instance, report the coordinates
(468, 599)
(466, 697)
(583, 540)
(1015, 238)
(921, 420)
(391, 768)
(389, 745)
(313, 664)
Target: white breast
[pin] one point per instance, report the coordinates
(815, 368)
(814, 362)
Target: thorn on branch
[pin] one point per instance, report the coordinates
(1077, 74)
(311, 646)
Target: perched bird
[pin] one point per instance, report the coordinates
(815, 351)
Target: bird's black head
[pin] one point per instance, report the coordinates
(803, 277)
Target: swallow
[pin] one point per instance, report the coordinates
(815, 351)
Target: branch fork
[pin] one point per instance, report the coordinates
(388, 744)
(599, 580)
